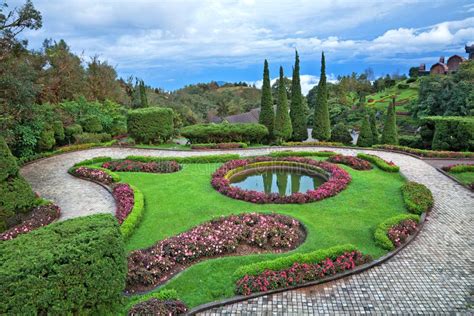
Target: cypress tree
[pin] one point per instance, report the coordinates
(267, 115)
(297, 113)
(321, 123)
(373, 128)
(365, 136)
(143, 97)
(390, 134)
(282, 129)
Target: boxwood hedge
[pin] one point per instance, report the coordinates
(151, 125)
(417, 197)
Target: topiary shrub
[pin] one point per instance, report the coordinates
(390, 132)
(58, 130)
(92, 124)
(75, 267)
(365, 138)
(417, 197)
(151, 125)
(8, 165)
(46, 140)
(340, 133)
(223, 133)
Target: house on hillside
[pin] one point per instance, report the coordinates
(442, 67)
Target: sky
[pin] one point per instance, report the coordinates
(172, 43)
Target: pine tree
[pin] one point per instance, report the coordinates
(390, 134)
(373, 127)
(267, 115)
(365, 136)
(282, 129)
(321, 123)
(297, 112)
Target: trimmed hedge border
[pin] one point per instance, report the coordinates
(380, 235)
(379, 162)
(207, 146)
(417, 197)
(133, 219)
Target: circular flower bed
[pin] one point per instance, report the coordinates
(338, 179)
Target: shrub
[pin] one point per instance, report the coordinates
(390, 133)
(428, 153)
(417, 197)
(219, 146)
(453, 133)
(366, 137)
(381, 237)
(289, 153)
(92, 124)
(86, 138)
(403, 86)
(411, 141)
(46, 140)
(225, 132)
(340, 133)
(458, 168)
(72, 267)
(379, 162)
(138, 166)
(155, 306)
(151, 125)
(8, 165)
(410, 80)
(95, 174)
(72, 130)
(131, 222)
(353, 162)
(58, 130)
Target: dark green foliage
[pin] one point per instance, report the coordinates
(73, 267)
(365, 135)
(373, 127)
(453, 133)
(91, 124)
(417, 197)
(86, 138)
(297, 111)
(381, 238)
(8, 164)
(46, 140)
(340, 133)
(321, 123)
(151, 125)
(58, 129)
(411, 141)
(267, 114)
(411, 80)
(225, 132)
(403, 86)
(72, 130)
(390, 133)
(413, 72)
(282, 129)
(143, 97)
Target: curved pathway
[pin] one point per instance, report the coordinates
(434, 274)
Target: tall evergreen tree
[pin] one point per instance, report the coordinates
(282, 129)
(267, 114)
(143, 97)
(321, 124)
(390, 134)
(297, 112)
(365, 136)
(373, 127)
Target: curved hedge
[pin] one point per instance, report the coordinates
(417, 197)
(151, 125)
(380, 235)
(379, 162)
(131, 222)
(225, 133)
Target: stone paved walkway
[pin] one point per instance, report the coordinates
(434, 274)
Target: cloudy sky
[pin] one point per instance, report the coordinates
(171, 43)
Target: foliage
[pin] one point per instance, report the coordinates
(427, 153)
(388, 166)
(413, 141)
(58, 130)
(390, 134)
(151, 125)
(132, 220)
(459, 168)
(224, 132)
(453, 133)
(365, 138)
(8, 165)
(46, 140)
(138, 166)
(219, 146)
(72, 130)
(340, 133)
(373, 128)
(95, 160)
(91, 124)
(101, 83)
(399, 233)
(154, 306)
(72, 267)
(282, 129)
(417, 197)
(321, 124)
(381, 236)
(297, 110)
(86, 138)
(124, 199)
(353, 162)
(267, 114)
(315, 144)
(190, 159)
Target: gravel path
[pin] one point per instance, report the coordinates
(434, 274)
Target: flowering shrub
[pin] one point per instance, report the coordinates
(388, 166)
(40, 216)
(399, 233)
(124, 198)
(155, 306)
(338, 181)
(93, 174)
(138, 166)
(149, 267)
(353, 162)
(299, 273)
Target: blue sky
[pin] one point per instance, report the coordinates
(171, 43)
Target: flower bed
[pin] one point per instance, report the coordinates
(138, 166)
(353, 162)
(427, 153)
(299, 273)
(388, 166)
(289, 153)
(40, 216)
(399, 233)
(93, 174)
(154, 306)
(338, 180)
(245, 233)
(219, 146)
(394, 231)
(417, 197)
(124, 198)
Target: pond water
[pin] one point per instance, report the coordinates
(281, 180)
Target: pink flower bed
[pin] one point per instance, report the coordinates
(124, 198)
(299, 273)
(223, 236)
(138, 166)
(39, 217)
(399, 233)
(353, 162)
(94, 174)
(338, 181)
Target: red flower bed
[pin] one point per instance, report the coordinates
(39, 217)
(399, 233)
(353, 162)
(93, 174)
(338, 181)
(124, 198)
(138, 166)
(299, 273)
(155, 306)
(245, 233)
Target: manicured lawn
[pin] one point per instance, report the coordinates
(464, 177)
(176, 202)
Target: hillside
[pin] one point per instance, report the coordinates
(404, 93)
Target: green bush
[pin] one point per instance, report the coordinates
(86, 138)
(92, 124)
(71, 130)
(380, 235)
(453, 133)
(225, 132)
(411, 141)
(340, 133)
(75, 267)
(151, 125)
(8, 165)
(46, 140)
(134, 217)
(461, 168)
(366, 138)
(410, 80)
(278, 154)
(379, 162)
(288, 261)
(191, 159)
(403, 86)
(390, 131)
(417, 197)
(58, 130)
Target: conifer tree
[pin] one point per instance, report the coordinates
(297, 112)
(282, 129)
(143, 97)
(390, 134)
(321, 123)
(365, 136)
(373, 127)
(267, 114)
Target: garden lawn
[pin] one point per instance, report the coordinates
(464, 177)
(179, 201)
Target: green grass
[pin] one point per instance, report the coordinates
(464, 177)
(179, 201)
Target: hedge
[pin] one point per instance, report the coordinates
(92, 161)
(427, 153)
(190, 159)
(411, 141)
(314, 144)
(76, 267)
(151, 125)
(225, 132)
(452, 133)
(379, 162)
(86, 138)
(134, 217)
(219, 145)
(459, 168)
(417, 197)
(287, 262)
(380, 235)
(277, 154)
